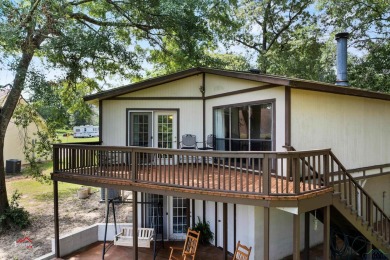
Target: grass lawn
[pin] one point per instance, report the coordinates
(71, 139)
(34, 192)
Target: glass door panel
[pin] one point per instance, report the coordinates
(140, 129)
(165, 133)
(178, 220)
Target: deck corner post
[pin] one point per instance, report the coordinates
(135, 225)
(306, 254)
(266, 177)
(266, 233)
(133, 164)
(225, 236)
(296, 174)
(297, 237)
(56, 221)
(326, 169)
(326, 249)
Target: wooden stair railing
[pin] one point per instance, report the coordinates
(361, 206)
(290, 148)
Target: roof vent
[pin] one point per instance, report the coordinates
(341, 59)
(254, 71)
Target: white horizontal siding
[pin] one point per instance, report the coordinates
(187, 87)
(114, 117)
(356, 129)
(216, 84)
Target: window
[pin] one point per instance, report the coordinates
(244, 127)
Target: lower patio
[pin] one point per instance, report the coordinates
(94, 251)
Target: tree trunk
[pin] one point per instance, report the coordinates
(3, 190)
(5, 115)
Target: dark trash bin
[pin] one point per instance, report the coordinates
(13, 166)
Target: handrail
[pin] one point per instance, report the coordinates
(358, 199)
(264, 173)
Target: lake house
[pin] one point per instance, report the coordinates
(278, 163)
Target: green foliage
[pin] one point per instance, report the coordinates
(367, 21)
(266, 24)
(205, 232)
(372, 71)
(37, 139)
(14, 217)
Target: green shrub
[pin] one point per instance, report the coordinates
(15, 217)
(205, 232)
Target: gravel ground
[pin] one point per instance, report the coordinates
(74, 214)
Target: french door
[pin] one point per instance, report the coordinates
(140, 129)
(153, 129)
(178, 218)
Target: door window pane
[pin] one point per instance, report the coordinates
(140, 129)
(179, 215)
(165, 131)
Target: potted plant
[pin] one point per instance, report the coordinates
(205, 233)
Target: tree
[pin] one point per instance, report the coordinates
(368, 23)
(87, 36)
(371, 71)
(205, 50)
(265, 24)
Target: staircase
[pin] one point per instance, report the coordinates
(355, 212)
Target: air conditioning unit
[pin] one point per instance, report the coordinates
(13, 166)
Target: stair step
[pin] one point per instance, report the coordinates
(336, 194)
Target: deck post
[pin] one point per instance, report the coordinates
(56, 224)
(188, 202)
(266, 178)
(296, 237)
(326, 249)
(266, 233)
(135, 226)
(216, 224)
(306, 254)
(225, 238)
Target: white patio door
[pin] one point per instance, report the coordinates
(178, 218)
(165, 134)
(140, 129)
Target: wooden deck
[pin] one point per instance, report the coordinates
(204, 175)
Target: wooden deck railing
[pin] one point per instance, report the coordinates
(263, 173)
(358, 200)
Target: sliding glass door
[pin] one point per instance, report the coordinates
(244, 127)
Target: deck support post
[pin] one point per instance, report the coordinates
(188, 216)
(306, 254)
(296, 237)
(56, 224)
(326, 249)
(369, 251)
(193, 212)
(225, 238)
(216, 224)
(266, 233)
(135, 225)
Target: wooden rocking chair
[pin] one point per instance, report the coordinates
(242, 252)
(190, 246)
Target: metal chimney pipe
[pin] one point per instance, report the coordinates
(342, 78)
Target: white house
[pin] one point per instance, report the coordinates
(253, 187)
(15, 135)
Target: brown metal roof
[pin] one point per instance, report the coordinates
(265, 78)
